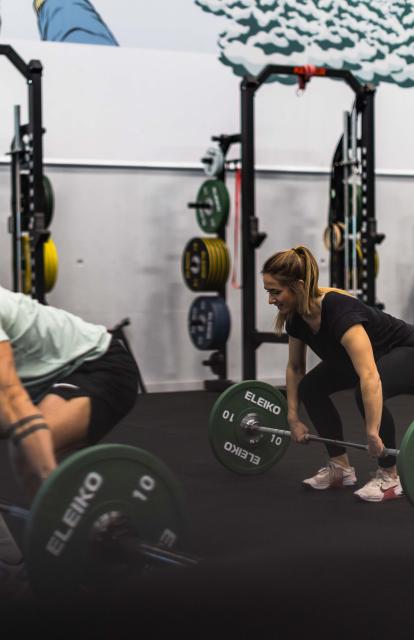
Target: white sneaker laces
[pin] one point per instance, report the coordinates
(379, 477)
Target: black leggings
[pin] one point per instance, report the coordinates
(396, 370)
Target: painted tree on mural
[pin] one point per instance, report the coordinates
(372, 38)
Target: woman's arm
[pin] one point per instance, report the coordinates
(358, 346)
(295, 371)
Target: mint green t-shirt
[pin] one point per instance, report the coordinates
(47, 342)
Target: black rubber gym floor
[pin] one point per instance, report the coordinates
(276, 560)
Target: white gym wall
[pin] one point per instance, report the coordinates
(125, 130)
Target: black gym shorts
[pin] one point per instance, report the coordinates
(110, 381)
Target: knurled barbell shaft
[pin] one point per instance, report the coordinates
(164, 556)
(309, 436)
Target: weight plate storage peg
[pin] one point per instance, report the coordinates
(213, 202)
(209, 322)
(234, 446)
(84, 490)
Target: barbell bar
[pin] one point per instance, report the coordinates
(126, 539)
(251, 424)
(247, 433)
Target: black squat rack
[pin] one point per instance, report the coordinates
(252, 238)
(27, 160)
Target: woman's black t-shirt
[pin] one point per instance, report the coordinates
(339, 312)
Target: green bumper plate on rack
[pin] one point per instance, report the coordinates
(212, 217)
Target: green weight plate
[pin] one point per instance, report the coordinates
(90, 483)
(231, 444)
(214, 193)
(49, 201)
(405, 463)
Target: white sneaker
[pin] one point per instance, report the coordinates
(382, 487)
(14, 585)
(333, 476)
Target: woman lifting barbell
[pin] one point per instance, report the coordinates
(360, 347)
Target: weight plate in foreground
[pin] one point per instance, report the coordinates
(405, 463)
(88, 484)
(231, 443)
(215, 194)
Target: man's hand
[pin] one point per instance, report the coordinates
(299, 431)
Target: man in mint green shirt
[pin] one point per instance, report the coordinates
(64, 383)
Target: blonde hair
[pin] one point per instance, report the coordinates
(289, 267)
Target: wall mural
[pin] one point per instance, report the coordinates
(372, 38)
(72, 21)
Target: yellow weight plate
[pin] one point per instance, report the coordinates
(51, 262)
(26, 265)
(219, 263)
(226, 262)
(212, 274)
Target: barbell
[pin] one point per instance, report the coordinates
(107, 508)
(248, 433)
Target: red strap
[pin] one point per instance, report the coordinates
(307, 71)
(234, 282)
